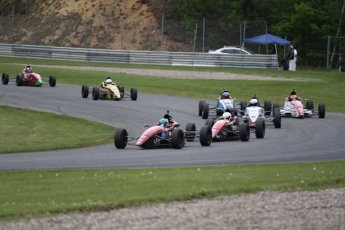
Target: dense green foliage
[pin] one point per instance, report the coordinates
(307, 24)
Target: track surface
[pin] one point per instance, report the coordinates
(299, 140)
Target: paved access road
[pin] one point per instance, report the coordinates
(299, 140)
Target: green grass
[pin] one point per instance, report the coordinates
(25, 130)
(329, 89)
(27, 193)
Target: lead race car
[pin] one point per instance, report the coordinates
(293, 107)
(109, 91)
(28, 78)
(225, 103)
(165, 134)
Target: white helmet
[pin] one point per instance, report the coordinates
(226, 115)
(254, 102)
(108, 81)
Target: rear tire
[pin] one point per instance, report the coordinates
(190, 132)
(121, 138)
(267, 107)
(309, 105)
(205, 111)
(134, 94)
(5, 78)
(19, 80)
(201, 107)
(52, 81)
(209, 122)
(205, 135)
(322, 110)
(177, 139)
(244, 132)
(95, 93)
(260, 129)
(84, 91)
(243, 106)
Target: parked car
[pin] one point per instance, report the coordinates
(231, 50)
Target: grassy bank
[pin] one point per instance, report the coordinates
(27, 193)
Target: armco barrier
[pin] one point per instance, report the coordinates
(140, 57)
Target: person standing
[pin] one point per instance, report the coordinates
(292, 59)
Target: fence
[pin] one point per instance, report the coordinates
(139, 57)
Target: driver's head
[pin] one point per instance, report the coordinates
(226, 116)
(254, 102)
(293, 92)
(108, 81)
(225, 94)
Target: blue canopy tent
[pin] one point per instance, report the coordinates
(267, 39)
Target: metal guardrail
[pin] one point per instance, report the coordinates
(140, 57)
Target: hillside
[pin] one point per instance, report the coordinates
(115, 24)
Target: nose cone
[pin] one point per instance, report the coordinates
(38, 82)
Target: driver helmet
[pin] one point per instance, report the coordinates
(163, 121)
(28, 69)
(226, 116)
(108, 81)
(254, 102)
(225, 94)
(293, 92)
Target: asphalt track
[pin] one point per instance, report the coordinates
(299, 140)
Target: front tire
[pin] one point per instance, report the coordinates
(277, 118)
(121, 90)
(322, 110)
(177, 139)
(84, 91)
(5, 78)
(121, 138)
(134, 94)
(205, 135)
(201, 107)
(244, 132)
(260, 129)
(52, 81)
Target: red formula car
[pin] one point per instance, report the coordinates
(28, 79)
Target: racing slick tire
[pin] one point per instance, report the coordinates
(95, 93)
(84, 91)
(275, 106)
(277, 120)
(134, 94)
(177, 139)
(5, 78)
(205, 111)
(260, 129)
(201, 107)
(52, 81)
(209, 122)
(309, 105)
(120, 138)
(243, 106)
(19, 80)
(244, 132)
(321, 110)
(190, 131)
(122, 90)
(267, 107)
(205, 135)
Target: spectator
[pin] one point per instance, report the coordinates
(292, 59)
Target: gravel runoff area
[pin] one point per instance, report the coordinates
(182, 74)
(324, 209)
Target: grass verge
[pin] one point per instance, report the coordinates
(34, 193)
(25, 130)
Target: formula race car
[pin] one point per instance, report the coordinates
(258, 116)
(293, 107)
(224, 104)
(227, 127)
(28, 79)
(108, 92)
(166, 133)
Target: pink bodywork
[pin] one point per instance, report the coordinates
(299, 107)
(220, 125)
(153, 131)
